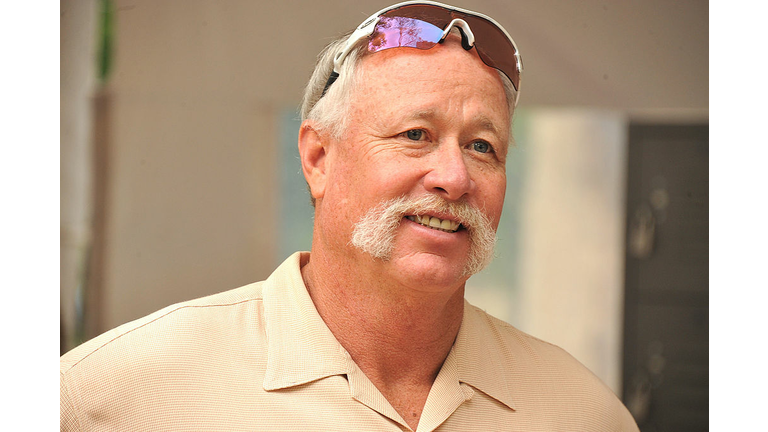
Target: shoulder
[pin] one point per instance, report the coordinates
(532, 351)
(180, 321)
(155, 363)
(547, 382)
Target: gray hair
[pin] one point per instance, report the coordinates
(330, 110)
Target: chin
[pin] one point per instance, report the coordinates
(429, 272)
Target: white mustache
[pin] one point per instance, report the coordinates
(375, 232)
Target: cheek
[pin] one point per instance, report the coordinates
(494, 198)
(389, 175)
(359, 186)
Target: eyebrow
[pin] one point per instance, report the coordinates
(486, 124)
(483, 122)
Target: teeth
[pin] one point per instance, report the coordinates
(433, 222)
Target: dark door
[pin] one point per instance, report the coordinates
(666, 332)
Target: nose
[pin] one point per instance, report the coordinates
(449, 176)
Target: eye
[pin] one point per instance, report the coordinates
(481, 146)
(415, 134)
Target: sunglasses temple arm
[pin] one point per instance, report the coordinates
(331, 80)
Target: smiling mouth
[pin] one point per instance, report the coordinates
(435, 223)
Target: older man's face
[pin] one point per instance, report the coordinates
(431, 122)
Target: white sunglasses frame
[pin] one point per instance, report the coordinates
(365, 30)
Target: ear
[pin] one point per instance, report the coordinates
(313, 149)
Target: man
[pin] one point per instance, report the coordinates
(404, 154)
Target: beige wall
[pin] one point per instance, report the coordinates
(191, 202)
(185, 157)
(192, 205)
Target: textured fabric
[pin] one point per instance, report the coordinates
(260, 358)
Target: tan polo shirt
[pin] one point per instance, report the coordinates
(260, 358)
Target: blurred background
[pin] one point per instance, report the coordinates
(180, 175)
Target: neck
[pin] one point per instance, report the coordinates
(398, 336)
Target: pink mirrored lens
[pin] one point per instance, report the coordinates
(394, 32)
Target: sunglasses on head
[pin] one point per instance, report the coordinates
(424, 24)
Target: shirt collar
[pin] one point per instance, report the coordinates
(483, 358)
(300, 347)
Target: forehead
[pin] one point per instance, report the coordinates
(426, 82)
